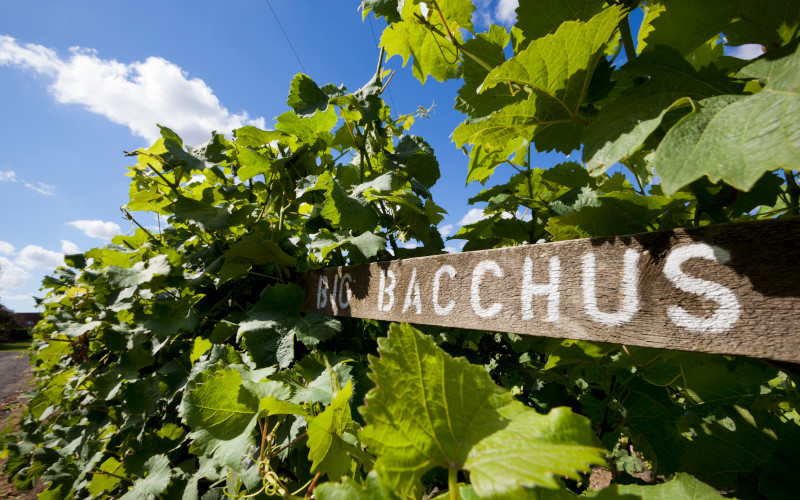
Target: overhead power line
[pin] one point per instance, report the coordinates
(287, 38)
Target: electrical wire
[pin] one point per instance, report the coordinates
(287, 38)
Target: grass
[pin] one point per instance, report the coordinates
(19, 346)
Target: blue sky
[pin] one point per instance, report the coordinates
(82, 81)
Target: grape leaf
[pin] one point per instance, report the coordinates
(220, 405)
(686, 24)
(489, 48)
(427, 409)
(349, 212)
(732, 138)
(623, 124)
(533, 451)
(157, 477)
(540, 18)
(205, 215)
(681, 486)
(555, 71)
(374, 489)
(305, 97)
(433, 53)
(326, 446)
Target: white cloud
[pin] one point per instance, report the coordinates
(12, 275)
(69, 247)
(6, 248)
(137, 95)
(39, 187)
(97, 228)
(482, 15)
(474, 215)
(410, 245)
(36, 257)
(747, 51)
(505, 11)
(446, 230)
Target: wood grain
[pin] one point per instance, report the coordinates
(727, 289)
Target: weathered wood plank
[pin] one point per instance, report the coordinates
(727, 289)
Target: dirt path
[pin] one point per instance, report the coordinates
(15, 372)
(15, 377)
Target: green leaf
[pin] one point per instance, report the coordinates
(205, 215)
(308, 129)
(427, 409)
(253, 164)
(623, 124)
(433, 54)
(255, 137)
(252, 250)
(736, 138)
(270, 405)
(534, 450)
(156, 479)
(415, 157)
(326, 446)
(200, 346)
(138, 273)
(555, 71)
(682, 486)
(168, 317)
(374, 489)
(686, 25)
(220, 405)
(312, 329)
(489, 48)
(542, 17)
(390, 9)
(305, 97)
(349, 212)
(105, 482)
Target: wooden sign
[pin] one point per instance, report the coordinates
(727, 289)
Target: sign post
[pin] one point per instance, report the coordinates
(726, 289)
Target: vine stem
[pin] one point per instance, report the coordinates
(452, 483)
(627, 38)
(794, 192)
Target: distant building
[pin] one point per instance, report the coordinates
(28, 320)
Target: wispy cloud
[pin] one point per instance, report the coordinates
(137, 95)
(36, 257)
(474, 215)
(39, 187)
(446, 230)
(505, 12)
(97, 228)
(497, 12)
(6, 248)
(747, 51)
(69, 247)
(11, 275)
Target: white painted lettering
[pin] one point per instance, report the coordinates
(630, 293)
(728, 312)
(475, 296)
(442, 311)
(387, 291)
(322, 292)
(412, 295)
(346, 278)
(550, 289)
